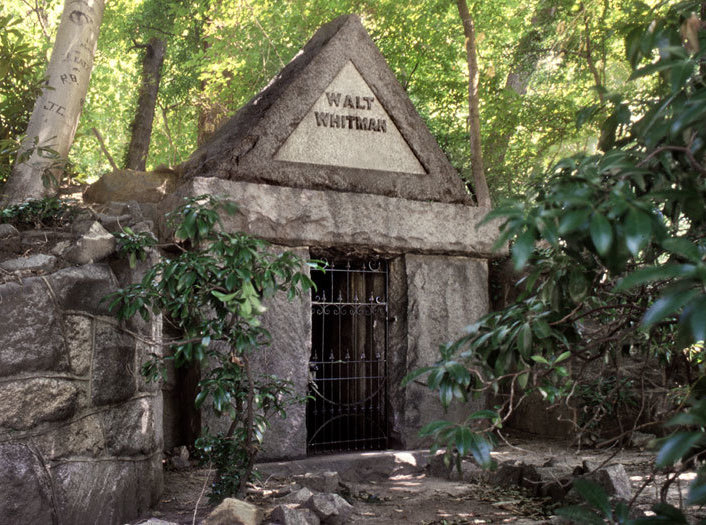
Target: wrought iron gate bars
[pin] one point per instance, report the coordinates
(348, 406)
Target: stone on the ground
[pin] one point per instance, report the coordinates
(156, 521)
(61, 248)
(509, 474)
(641, 440)
(330, 508)
(10, 238)
(8, 230)
(234, 512)
(376, 469)
(180, 460)
(36, 262)
(287, 515)
(614, 480)
(114, 222)
(470, 470)
(437, 468)
(95, 244)
(320, 481)
(129, 185)
(300, 496)
(556, 481)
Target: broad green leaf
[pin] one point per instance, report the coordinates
(586, 114)
(539, 359)
(483, 414)
(677, 447)
(541, 328)
(524, 339)
(463, 438)
(679, 74)
(601, 233)
(683, 247)
(573, 220)
(224, 298)
(668, 304)
(481, 448)
(638, 227)
(580, 515)
(578, 285)
(594, 494)
(697, 493)
(697, 320)
(434, 427)
(652, 273)
(663, 510)
(522, 249)
(562, 357)
(446, 393)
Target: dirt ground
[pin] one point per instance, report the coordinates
(416, 497)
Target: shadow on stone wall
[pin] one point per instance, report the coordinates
(80, 430)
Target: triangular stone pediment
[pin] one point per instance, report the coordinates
(348, 127)
(335, 118)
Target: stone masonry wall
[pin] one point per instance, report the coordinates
(80, 430)
(444, 295)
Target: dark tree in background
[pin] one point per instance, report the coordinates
(136, 156)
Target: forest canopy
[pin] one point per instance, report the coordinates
(540, 63)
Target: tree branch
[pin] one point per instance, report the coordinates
(104, 149)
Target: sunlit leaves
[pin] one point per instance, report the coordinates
(213, 293)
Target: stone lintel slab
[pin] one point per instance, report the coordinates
(303, 217)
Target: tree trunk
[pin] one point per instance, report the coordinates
(479, 183)
(526, 57)
(136, 157)
(55, 116)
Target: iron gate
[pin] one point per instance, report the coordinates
(347, 409)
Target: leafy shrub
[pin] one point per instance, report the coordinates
(50, 211)
(213, 293)
(615, 246)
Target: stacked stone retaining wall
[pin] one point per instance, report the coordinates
(80, 429)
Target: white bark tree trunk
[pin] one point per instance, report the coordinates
(55, 116)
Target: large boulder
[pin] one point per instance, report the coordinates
(234, 512)
(330, 508)
(94, 244)
(127, 185)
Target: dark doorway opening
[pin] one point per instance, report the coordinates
(347, 410)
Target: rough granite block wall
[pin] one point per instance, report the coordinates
(80, 430)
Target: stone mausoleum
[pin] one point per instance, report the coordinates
(330, 161)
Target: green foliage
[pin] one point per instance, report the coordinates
(133, 244)
(532, 59)
(50, 211)
(615, 264)
(20, 83)
(213, 293)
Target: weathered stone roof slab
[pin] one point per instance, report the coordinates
(302, 217)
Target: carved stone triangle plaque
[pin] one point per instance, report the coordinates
(348, 127)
